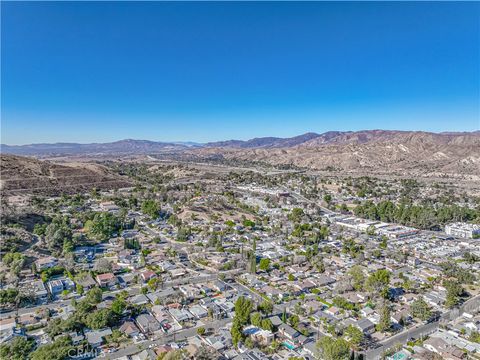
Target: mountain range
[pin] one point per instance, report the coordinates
(372, 151)
(310, 139)
(405, 153)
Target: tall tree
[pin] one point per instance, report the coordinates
(333, 349)
(243, 308)
(355, 336)
(420, 309)
(151, 208)
(357, 277)
(378, 282)
(454, 290)
(385, 321)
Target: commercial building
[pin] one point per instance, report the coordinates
(463, 230)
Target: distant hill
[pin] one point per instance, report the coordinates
(265, 142)
(373, 151)
(132, 147)
(127, 146)
(28, 175)
(406, 153)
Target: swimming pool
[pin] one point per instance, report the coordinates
(288, 346)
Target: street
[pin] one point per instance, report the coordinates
(179, 336)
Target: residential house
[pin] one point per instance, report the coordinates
(220, 286)
(106, 280)
(55, 287)
(86, 281)
(76, 337)
(129, 328)
(293, 336)
(35, 289)
(147, 275)
(366, 326)
(96, 337)
(180, 315)
(45, 263)
(147, 323)
(139, 299)
(198, 311)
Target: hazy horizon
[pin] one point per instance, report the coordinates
(230, 139)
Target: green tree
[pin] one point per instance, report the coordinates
(471, 258)
(18, 349)
(267, 325)
(94, 295)
(56, 233)
(183, 233)
(320, 265)
(201, 331)
(256, 319)
(420, 309)
(383, 243)
(296, 215)
(378, 282)
(294, 320)
(154, 283)
(253, 263)
(99, 319)
(266, 306)
(323, 233)
(354, 335)
(385, 321)
(371, 230)
(454, 291)
(151, 208)
(474, 337)
(58, 350)
(333, 349)
(248, 223)
(9, 296)
(243, 308)
(80, 289)
(103, 265)
(264, 264)
(357, 277)
(102, 226)
(119, 305)
(249, 343)
(236, 332)
(14, 261)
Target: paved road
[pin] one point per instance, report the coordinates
(277, 308)
(161, 340)
(401, 338)
(304, 199)
(417, 332)
(133, 290)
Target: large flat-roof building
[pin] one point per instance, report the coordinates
(463, 230)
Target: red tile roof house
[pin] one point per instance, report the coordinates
(147, 275)
(106, 280)
(28, 319)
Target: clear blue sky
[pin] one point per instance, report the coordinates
(88, 72)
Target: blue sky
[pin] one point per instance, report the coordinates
(90, 72)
